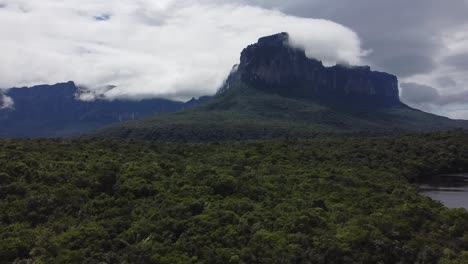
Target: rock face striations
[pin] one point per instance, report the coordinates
(273, 66)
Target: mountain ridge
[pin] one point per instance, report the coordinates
(56, 111)
(246, 113)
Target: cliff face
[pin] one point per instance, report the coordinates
(273, 66)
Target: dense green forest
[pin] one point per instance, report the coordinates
(322, 200)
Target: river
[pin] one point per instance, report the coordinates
(450, 189)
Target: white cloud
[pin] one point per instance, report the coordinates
(166, 48)
(6, 102)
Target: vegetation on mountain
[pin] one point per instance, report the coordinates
(246, 113)
(322, 200)
(278, 92)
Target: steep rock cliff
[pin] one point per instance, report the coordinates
(272, 65)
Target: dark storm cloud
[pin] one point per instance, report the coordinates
(404, 35)
(422, 94)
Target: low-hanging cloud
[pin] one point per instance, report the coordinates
(5, 102)
(427, 98)
(423, 94)
(167, 48)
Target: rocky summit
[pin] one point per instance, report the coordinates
(274, 66)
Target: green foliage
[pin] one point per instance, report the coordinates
(246, 113)
(324, 200)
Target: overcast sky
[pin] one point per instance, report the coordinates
(179, 49)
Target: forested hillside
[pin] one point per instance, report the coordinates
(246, 113)
(324, 200)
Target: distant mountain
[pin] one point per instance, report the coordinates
(272, 66)
(276, 91)
(55, 111)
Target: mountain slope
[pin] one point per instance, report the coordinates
(248, 113)
(276, 91)
(54, 111)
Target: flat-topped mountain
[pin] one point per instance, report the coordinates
(56, 111)
(273, 66)
(276, 91)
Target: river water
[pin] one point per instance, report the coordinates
(451, 189)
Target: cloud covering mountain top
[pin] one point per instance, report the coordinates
(167, 48)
